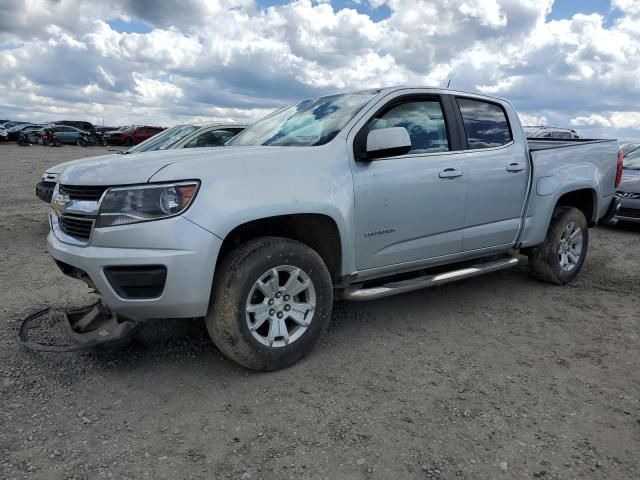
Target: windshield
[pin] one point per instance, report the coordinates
(309, 123)
(629, 147)
(632, 160)
(163, 140)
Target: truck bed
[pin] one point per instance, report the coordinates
(564, 165)
(537, 144)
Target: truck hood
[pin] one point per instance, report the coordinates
(140, 167)
(58, 169)
(630, 181)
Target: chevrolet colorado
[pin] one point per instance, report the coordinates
(357, 196)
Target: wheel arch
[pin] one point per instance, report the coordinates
(584, 199)
(547, 196)
(316, 230)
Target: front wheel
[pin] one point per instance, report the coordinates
(560, 257)
(271, 302)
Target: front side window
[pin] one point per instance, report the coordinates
(485, 124)
(423, 120)
(309, 123)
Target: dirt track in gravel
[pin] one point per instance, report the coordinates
(495, 377)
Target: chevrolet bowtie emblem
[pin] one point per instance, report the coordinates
(59, 202)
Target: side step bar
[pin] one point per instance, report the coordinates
(403, 286)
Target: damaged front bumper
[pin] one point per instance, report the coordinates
(87, 328)
(144, 271)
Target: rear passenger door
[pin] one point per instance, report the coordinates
(498, 175)
(410, 207)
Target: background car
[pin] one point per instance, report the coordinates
(629, 190)
(549, 132)
(134, 135)
(108, 133)
(79, 124)
(209, 134)
(9, 125)
(13, 132)
(628, 148)
(64, 133)
(103, 129)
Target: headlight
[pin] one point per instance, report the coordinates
(124, 205)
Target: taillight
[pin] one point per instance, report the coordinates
(619, 169)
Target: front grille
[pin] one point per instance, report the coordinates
(629, 213)
(83, 193)
(76, 225)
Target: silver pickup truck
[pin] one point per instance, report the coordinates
(357, 196)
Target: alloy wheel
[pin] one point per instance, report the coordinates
(280, 306)
(570, 247)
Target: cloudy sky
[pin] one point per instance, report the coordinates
(562, 62)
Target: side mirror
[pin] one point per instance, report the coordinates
(388, 142)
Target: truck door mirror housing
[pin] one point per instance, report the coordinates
(388, 142)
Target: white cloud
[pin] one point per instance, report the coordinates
(532, 120)
(591, 120)
(230, 59)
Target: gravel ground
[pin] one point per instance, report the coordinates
(495, 377)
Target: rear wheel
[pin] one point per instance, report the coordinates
(560, 257)
(128, 142)
(271, 303)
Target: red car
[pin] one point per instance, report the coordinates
(134, 135)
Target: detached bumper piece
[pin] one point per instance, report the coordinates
(87, 328)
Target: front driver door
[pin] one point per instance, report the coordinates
(410, 207)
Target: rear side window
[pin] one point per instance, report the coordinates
(485, 124)
(424, 121)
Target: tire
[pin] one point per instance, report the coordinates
(83, 142)
(557, 260)
(235, 288)
(128, 142)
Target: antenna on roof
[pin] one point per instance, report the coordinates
(449, 83)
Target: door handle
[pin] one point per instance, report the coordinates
(515, 167)
(450, 173)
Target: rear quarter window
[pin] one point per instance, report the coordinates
(485, 124)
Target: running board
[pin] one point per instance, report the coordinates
(395, 288)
